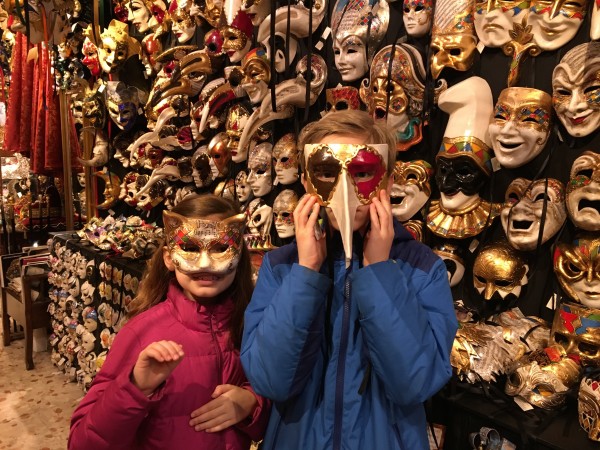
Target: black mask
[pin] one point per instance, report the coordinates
(459, 174)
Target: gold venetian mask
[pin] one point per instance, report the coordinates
(576, 329)
(498, 269)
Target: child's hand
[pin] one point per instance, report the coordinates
(231, 405)
(378, 241)
(311, 252)
(154, 364)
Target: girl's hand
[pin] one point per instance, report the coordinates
(311, 252)
(378, 241)
(154, 364)
(231, 405)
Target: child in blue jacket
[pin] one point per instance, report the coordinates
(350, 331)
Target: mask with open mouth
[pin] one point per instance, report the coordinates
(583, 192)
(521, 215)
(411, 188)
(555, 22)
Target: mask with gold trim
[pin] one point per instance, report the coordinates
(411, 188)
(219, 154)
(116, 46)
(521, 214)
(182, 24)
(198, 245)
(576, 329)
(242, 188)
(283, 213)
(417, 16)
(237, 116)
(210, 10)
(260, 168)
(341, 98)
(237, 31)
(499, 270)
(257, 10)
(455, 264)
(589, 406)
(521, 125)
(494, 20)
(344, 176)
(90, 57)
(123, 102)
(285, 160)
(583, 192)
(256, 74)
(577, 267)
(555, 22)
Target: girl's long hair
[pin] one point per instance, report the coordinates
(155, 282)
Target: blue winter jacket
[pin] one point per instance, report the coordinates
(361, 385)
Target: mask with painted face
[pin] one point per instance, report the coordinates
(417, 16)
(260, 168)
(576, 329)
(555, 22)
(494, 20)
(242, 188)
(183, 26)
(116, 46)
(583, 192)
(283, 213)
(411, 188)
(256, 74)
(285, 160)
(123, 103)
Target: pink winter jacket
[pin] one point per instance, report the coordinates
(115, 414)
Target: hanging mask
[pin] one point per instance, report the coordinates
(116, 46)
(237, 33)
(201, 169)
(576, 329)
(283, 213)
(257, 10)
(260, 218)
(542, 378)
(260, 168)
(93, 108)
(219, 154)
(353, 35)
(197, 245)
(285, 160)
(494, 20)
(417, 16)
(456, 176)
(138, 14)
(521, 125)
(182, 24)
(400, 103)
(583, 192)
(453, 39)
(341, 98)
(555, 22)
(344, 176)
(411, 188)
(242, 188)
(129, 187)
(123, 102)
(256, 71)
(237, 116)
(577, 267)
(589, 406)
(90, 57)
(576, 89)
(521, 214)
(209, 10)
(455, 264)
(111, 188)
(499, 270)
(152, 197)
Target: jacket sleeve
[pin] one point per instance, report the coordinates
(113, 409)
(409, 326)
(256, 425)
(283, 329)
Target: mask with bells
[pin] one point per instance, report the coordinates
(576, 89)
(242, 188)
(260, 218)
(285, 160)
(589, 406)
(455, 264)
(542, 378)
(577, 267)
(494, 20)
(116, 46)
(197, 245)
(521, 214)
(521, 125)
(260, 168)
(344, 176)
(283, 209)
(411, 188)
(453, 40)
(417, 15)
(583, 192)
(555, 22)
(353, 35)
(576, 329)
(499, 270)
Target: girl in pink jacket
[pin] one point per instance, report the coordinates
(173, 377)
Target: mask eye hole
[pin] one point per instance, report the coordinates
(480, 279)
(503, 283)
(544, 390)
(584, 173)
(587, 349)
(561, 339)
(514, 379)
(218, 248)
(455, 51)
(189, 247)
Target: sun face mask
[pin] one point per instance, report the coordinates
(588, 407)
(411, 188)
(576, 329)
(417, 15)
(344, 176)
(521, 125)
(498, 269)
(197, 245)
(583, 192)
(577, 267)
(555, 22)
(494, 19)
(521, 214)
(576, 89)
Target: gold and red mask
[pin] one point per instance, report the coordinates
(577, 330)
(198, 245)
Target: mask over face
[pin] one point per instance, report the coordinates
(417, 15)
(283, 209)
(123, 102)
(257, 10)
(453, 40)
(116, 46)
(237, 116)
(285, 160)
(522, 212)
(555, 22)
(90, 57)
(543, 378)
(521, 125)
(260, 168)
(352, 35)
(401, 102)
(138, 15)
(498, 269)
(183, 26)
(197, 245)
(577, 267)
(260, 218)
(219, 154)
(576, 329)
(455, 265)
(576, 89)
(494, 20)
(256, 73)
(344, 176)
(341, 98)
(237, 33)
(411, 188)
(583, 192)
(589, 407)
(242, 188)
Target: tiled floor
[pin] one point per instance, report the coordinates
(35, 405)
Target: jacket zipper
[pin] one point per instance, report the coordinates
(218, 349)
(341, 367)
